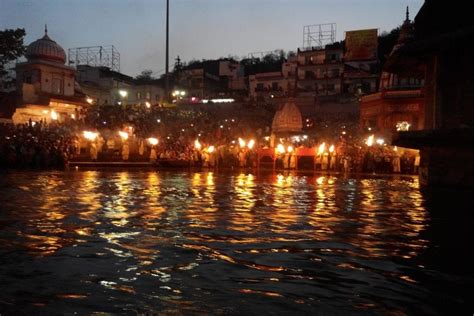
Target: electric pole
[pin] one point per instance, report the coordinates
(167, 80)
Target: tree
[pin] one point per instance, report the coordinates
(11, 46)
(145, 76)
(386, 43)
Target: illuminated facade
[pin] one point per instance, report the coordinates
(46, 88)
(399, 104)
(287, 120)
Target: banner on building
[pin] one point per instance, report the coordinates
(361, 45)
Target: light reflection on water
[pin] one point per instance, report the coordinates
(97, 241)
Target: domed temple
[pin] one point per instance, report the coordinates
(399, 103)
(287, 120)
(46, 86)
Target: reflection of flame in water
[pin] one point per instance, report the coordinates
(201, 208)
(242, 219)
(210, 179)
(117, 209)
(44, 234)
(195, 184)
(287, 209)
(266, 225)
(152, 192)
(89, 195)
(324, 214)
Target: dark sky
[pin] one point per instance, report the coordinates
(198, 28)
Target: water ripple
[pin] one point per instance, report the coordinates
(191, 242)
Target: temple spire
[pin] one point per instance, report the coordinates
(46, 29)
(408, 15)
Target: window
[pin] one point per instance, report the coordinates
(366, 87)
(57, 86)
(139, 95)
(330, 87)
(259, 87)
(274, 86)
(27, 77)
(334, 57)
(335, 72)
(157, 97)
(148, 95)
(309, 75)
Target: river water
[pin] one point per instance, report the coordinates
(231, 243)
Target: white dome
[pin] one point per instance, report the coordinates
(46, 49)
(287, 119)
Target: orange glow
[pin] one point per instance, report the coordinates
(90, 135)
(54, 115)
(153, 141)
(123, 135)
(197, 144)
(321, 148)
(280, 149)
(370, 140)
(250, 144)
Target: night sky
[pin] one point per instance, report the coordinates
(198, 28)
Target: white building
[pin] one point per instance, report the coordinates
(46, 87)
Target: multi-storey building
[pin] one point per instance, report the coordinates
(105, 86)
(320, 79)
(268, 85)
(320, 72)
(212, 78)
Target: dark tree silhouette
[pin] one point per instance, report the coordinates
(11, 46)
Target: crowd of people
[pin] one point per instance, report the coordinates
(36, 145)
(204, 138)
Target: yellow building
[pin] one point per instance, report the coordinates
(46, 86)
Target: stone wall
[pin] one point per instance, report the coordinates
(447, 167)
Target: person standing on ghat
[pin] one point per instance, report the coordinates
(125, 151)
(93, 151)
(153, 154)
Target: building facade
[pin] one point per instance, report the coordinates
(399, 103)
(213, 79)
(320, 72)
(104, 86)
(263, 87)
(45, 86)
